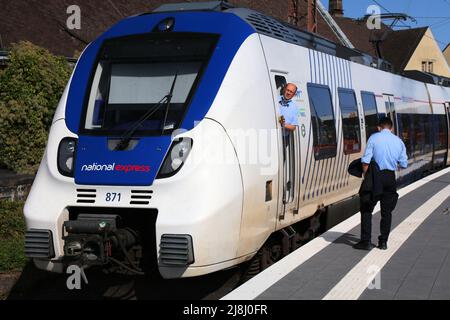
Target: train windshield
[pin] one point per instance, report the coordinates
(134, 75)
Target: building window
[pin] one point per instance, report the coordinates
(323, 123)
(428, 66)
(370, 112)
(350, 121)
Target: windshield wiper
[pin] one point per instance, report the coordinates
(169, 99)
(126, 138)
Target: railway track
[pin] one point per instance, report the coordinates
(37, 284)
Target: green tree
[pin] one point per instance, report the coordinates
(12, 236)
(30, 88)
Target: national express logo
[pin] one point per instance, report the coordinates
(95, 167)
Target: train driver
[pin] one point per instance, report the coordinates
(288, 109)
(288, 121)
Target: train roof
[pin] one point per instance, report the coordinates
(281, 30)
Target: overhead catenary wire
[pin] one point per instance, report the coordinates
(441, 24)
(430, 17)
(385, 9)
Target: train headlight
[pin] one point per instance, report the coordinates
(66, 156)
(176, 157)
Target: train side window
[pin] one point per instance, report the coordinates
(406, 130)
(323, 122)
(370, 112)
(440, 132)
(419, 134)
(428, 129)
(448, 112)
(350, 121)
(423, 142)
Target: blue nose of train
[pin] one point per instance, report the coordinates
(98, 164)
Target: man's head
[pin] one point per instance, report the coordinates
(385, 123)
(289, 91)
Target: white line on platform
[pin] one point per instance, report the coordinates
(358, 279)
(264, 280)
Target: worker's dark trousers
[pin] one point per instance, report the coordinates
(388, 201)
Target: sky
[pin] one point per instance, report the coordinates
(434, 13)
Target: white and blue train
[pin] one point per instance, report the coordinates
(135, 173)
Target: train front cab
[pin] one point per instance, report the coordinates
(103, 160)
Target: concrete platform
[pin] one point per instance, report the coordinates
(415, 266)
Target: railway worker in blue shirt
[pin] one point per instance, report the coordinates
(289, 121)
(288, 109)
(388, 152)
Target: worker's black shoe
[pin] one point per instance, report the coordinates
(382, 245)
(363, 245)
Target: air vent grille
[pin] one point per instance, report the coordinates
(141, 197)
(271, 27)
(86, 195)
(39, 244)
(176, 250)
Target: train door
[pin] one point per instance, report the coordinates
(289, 151)
(447, 108)
(389, 102)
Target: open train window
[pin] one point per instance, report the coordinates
(323, 123)
(280, 82)
(350, 121)
(370, 112)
